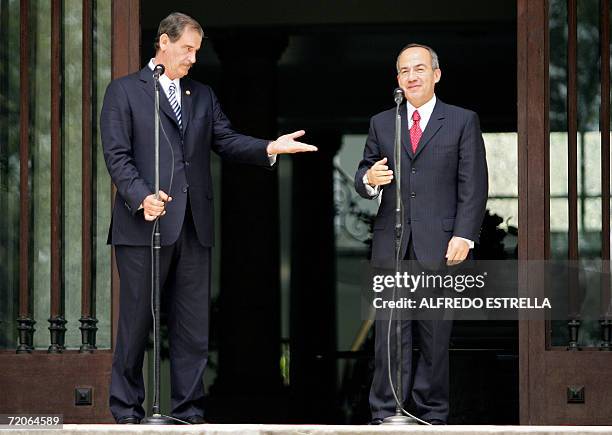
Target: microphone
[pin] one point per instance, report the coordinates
(158, 71)
(398, 95)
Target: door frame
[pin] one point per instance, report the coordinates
(545, 372)
(43, 383)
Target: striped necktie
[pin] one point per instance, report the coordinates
(174, 103)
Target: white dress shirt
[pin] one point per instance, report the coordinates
(165, 82)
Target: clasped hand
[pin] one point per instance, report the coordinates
(153, 207)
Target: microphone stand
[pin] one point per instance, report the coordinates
(156, 417)
(399, 417)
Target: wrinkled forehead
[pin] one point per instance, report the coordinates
(190, 37)
(413, 57)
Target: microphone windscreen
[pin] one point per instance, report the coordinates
(159, 70)
(398, 95)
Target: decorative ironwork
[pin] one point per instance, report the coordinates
(354, 220)
(573, 325)
(26, 334)
(88, 334)
(58, 334)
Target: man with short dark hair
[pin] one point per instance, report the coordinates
(444, 193)
(193, 125)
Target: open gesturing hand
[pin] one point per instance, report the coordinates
(286, 144)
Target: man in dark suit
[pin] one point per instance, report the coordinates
(193, 125)
(444, 193)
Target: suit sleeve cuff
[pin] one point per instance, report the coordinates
(135, 205)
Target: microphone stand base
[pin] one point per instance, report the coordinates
(399, 419)
(156, 419)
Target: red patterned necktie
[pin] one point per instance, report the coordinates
(415, 131)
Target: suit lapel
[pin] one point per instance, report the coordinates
(435, 123)
(146, 77)
(186, 99)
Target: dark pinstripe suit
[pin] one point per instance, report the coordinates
(444, 192)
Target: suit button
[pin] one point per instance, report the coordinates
(185, 188)
(408, 221)
(187, 163)
(414, 170)
(413, 195)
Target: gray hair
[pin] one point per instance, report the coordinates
(174, 26)
(435, 63)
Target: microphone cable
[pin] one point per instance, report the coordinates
(155, 227)
(390, 377)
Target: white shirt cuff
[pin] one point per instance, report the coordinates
(468, 241)
(372, 191)
(272, 158)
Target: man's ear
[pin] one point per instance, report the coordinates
(437, 74)
(163, 41)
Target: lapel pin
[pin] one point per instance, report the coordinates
(188, 92)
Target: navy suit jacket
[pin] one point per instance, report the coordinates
(127, 129)
(444, 184)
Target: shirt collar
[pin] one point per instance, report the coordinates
(164, 80)
(425, 110)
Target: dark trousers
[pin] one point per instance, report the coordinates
(425, 379)
(185, 286)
